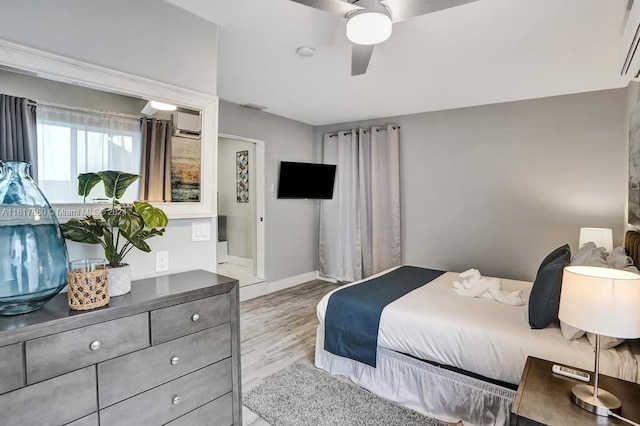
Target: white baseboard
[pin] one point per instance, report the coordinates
(265, 287)
(242, 261)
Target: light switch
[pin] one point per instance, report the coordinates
(201, 231)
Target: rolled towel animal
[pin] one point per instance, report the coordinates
(475, 285)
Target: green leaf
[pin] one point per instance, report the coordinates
(124, 217)
(153, 217)
(88, 230)
(116, 183)
(109, 249)
(86, 182)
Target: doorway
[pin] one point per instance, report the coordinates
(241, 208)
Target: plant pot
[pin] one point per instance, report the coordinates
(119, 280)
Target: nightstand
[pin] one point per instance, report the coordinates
(544, 398)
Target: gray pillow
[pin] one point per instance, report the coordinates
(544, 300)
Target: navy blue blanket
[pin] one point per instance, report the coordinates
(352, 318)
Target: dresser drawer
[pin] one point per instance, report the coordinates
(11, 368)
(90, 420)
(131, 374)
(53, 402)
(59, 353)
(171, 400)
(180, 320)
(215, 413)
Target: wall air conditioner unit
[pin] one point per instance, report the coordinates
(631, 53)
(187, 125)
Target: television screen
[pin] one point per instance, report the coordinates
(306, 180)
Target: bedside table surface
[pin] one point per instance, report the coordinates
(544, 398)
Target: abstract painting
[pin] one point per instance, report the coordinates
(242, 176)
(185, 169)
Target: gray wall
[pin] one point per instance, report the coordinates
(55, 92)
(240, 224)
(149, 38)
(497, 187)
(291, 225)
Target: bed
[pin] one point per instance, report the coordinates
(460, 359)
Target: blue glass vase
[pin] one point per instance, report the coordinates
(33, 253)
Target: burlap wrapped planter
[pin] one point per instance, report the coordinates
(88, 290)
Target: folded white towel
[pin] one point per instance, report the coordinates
(475, 285)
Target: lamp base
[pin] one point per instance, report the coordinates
(582, 395)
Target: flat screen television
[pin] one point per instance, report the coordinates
(306, 180)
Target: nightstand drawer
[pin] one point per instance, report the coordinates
(59, 353)
(215, 413)
(134, 373)
(53, 402)
(11, 368)
(171, 400)
(186, 318)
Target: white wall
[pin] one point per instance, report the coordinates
(148, 38)
(497, 187)
(291, 226)
(239, 215)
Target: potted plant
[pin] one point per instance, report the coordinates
(120, 227)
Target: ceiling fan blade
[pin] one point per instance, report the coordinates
(402, 10)
(360, 57)
(335, 7)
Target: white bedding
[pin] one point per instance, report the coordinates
(482, 336)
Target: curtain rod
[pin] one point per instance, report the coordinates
(334, 134)
(86, 110)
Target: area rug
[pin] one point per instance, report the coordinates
(302, 395)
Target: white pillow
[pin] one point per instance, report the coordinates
(570, 332)
(606, 342)
(590, 255)
(618, 259)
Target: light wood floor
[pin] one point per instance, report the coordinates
(277, 330)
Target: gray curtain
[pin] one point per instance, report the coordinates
(360, 226)
(155, 169)
(18, 131)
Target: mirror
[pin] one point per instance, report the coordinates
(90, 119)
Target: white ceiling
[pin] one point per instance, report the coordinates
(484, 52)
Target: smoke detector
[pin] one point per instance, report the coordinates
(305, 51)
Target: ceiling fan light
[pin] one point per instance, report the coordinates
(368, 28)
(161, 106)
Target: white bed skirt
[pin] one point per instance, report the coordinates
(425, 388)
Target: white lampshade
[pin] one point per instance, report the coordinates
(603, 237)
(368, 27)
(601, 300)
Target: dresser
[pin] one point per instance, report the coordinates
(168, 353)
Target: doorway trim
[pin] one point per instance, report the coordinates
(260, 200)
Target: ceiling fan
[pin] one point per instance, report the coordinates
(369, 22)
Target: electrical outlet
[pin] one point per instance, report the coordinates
(162, 261)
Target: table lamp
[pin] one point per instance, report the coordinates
(603, 237)
(605, 302)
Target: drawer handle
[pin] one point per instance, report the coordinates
(175, 360)
(195, 317)
(176, 400)
(95, 345)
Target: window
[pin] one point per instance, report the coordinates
(72, 142)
